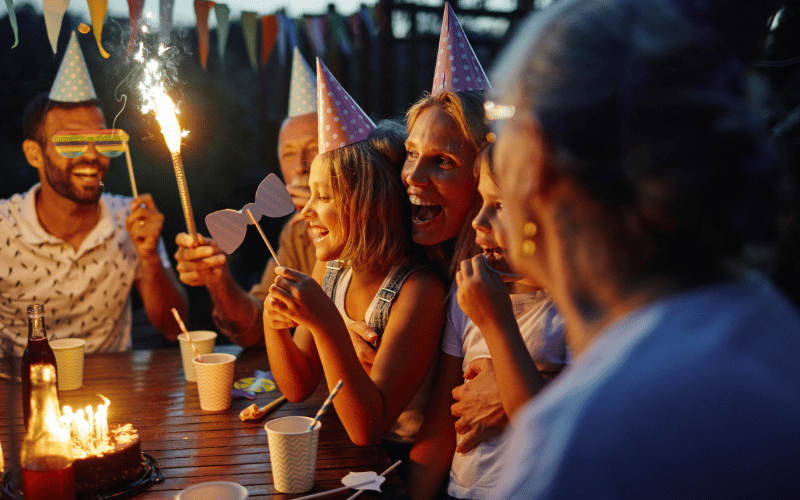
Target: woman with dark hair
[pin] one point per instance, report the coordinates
(624, 140)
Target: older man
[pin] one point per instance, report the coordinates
(71, 247)
(633, 173)
(237, 313)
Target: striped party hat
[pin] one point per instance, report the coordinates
(303, 91)
(341, 121)
(457, 68)
(73, 83)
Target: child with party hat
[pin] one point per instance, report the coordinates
(71, 245)
(356, 217)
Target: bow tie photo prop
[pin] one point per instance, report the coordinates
(228, 227)
(108, 142)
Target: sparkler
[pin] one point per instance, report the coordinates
(155, 99)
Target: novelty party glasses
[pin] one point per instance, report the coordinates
(108, 142)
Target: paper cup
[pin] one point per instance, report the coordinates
(215, 380)
(69, 362)
(216, 490)
(204, 341)
(293, 453)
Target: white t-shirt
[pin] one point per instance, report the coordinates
(86, 293)
(475, 473)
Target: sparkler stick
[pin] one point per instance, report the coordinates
(130, 170)
(263, 236)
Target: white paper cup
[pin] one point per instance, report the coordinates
(69, 362)
(293, 453)
(216, 490)
(214, 380)
(204, 341)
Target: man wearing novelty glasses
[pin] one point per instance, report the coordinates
(76, 249)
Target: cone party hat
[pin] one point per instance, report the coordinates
(73, 83)
(341, 121)
(457, 68)
(303, 91)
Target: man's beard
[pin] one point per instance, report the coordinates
(61, 182)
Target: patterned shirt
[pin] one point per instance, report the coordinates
(86, 293)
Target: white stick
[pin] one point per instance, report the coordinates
(337, 490)
(263, 236)
(130, 170)
(382, 474)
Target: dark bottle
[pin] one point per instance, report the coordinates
(37, 351)
(46, 454)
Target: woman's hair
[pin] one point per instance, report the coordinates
(466, 110)
(365, 182)
(648, 115)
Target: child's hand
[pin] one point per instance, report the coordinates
(481, 294)
(299, 298)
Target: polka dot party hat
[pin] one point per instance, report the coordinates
(457, 68)
(72, 80)
(303, 91)
(341, 121)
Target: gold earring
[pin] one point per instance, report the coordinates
(528, 246)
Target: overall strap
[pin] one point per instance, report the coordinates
(387, 294)
(333, 271)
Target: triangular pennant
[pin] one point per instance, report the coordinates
(97, 11)
(73, 83)
(303, 89)
(269, 34)
(201, 9)
(165, 28)
(341, 121)
(457, 68)
(315, 31)
(53, 11)
(354, 21)
(135, 13)
(12, 16)
(249, 21)
(222, 13)
(336, 23)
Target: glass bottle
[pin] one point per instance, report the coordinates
(46, 453)
(37, 351)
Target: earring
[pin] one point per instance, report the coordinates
(528, 246)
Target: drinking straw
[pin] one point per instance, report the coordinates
(325, 405)
(263, 236)
(336, 490)
(186, 332)
(382, 474)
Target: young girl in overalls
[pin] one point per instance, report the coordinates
(356, 218)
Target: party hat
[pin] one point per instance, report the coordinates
(72, 81)
(457, 68)
(341, 121)
(303, 91)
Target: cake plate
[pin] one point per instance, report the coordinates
(150, 476)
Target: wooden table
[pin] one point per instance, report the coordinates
(147, 389)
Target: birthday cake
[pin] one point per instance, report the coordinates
(118, 464)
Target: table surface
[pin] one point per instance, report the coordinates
(147, 389)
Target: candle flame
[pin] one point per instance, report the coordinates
(88, 428)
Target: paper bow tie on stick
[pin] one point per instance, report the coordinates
(228, 227)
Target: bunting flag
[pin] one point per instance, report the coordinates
(201, 9)
(269, 34)
(341, 121)
(249, 31)
(135, 9)
(315, 31)
(222, 13)
(354, 21)
(367, 15)
(339, 32)
(457, 68)
(12, 16)
(165, 29)
(53, 11)
(72, 83)
(97, 11)
(283, 34)
(303, 88)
